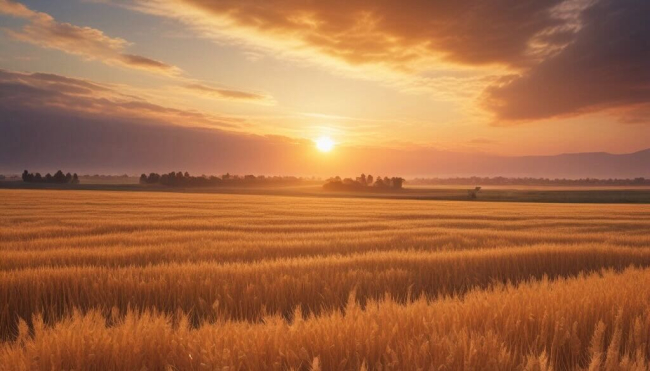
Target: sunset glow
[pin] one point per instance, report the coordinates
(416, 81)
(324, 144)
(324, 185)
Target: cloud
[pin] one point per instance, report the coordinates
(472, 32)
(44, 141)
(90, 43)
(604, 69)
(533, 59)
(138, 61)
(447, 50)
(227, 94)
(54, 93)
(15, 9)
(47, 140)
(51, 121)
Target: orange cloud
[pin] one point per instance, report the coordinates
(228, 94)
(138, 61)
(87, 42)
(92, 44)
(400, 33)
(15, 9)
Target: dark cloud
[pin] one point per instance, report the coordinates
(45, 140)
(606, 67)
(53, 121)
(55, 93)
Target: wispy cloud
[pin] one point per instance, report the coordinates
(203, 90)
(93, 44)
(90, 43)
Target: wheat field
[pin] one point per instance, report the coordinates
(94, 280)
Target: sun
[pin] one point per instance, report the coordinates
(324, 144)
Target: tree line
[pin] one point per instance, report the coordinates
(364, 183)
(184, 179)
(531, 181)
(58, 178)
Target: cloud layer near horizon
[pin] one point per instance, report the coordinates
(52, 120)
(565, 57)
(49, 121)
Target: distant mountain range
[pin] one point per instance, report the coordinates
(569, 165)
(427, 163)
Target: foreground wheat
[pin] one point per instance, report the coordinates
(600, 322)
(124, 281)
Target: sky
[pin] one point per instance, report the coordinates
(265, 79)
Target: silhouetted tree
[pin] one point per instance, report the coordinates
(68, 178)
(184, 179)
(75, 179)
(397, 182)
(59, 177)
(364, 183)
